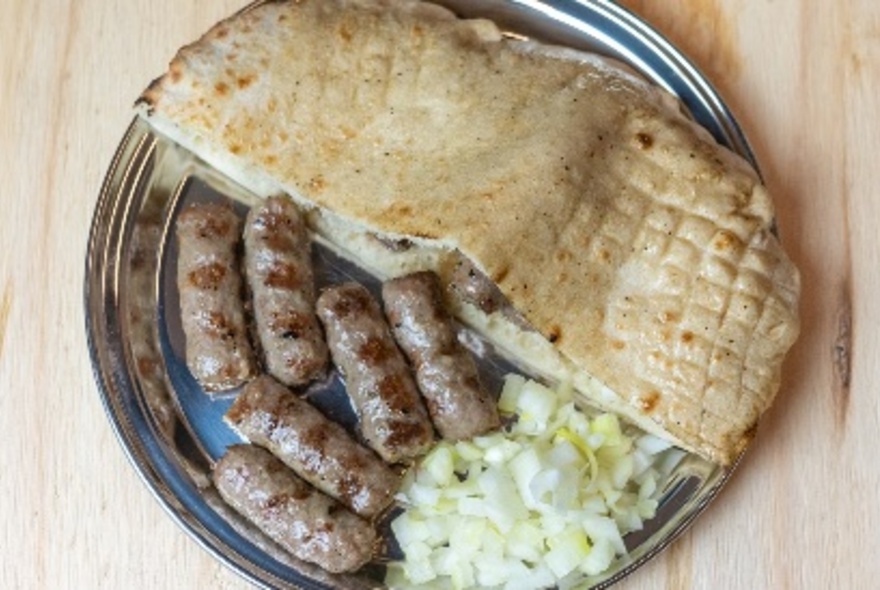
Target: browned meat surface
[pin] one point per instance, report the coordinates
(445, 371)
(279, 273)
(474, 287)
(393, 419)
(305, 522)
(217, 348)
(316, 448)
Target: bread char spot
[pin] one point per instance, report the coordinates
(649, 401)
(644, 140)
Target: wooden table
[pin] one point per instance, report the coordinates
(802, 512)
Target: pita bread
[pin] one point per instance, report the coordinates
(638, 247)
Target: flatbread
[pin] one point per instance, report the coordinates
(626, 235)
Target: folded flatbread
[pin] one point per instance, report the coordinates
(639, 249)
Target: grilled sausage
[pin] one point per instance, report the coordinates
(305, 522)
(279, 273)
(218, 352)
(474, 287)
(445, 371)
(393, 419)
(319, 450)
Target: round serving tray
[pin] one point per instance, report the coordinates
(172, 432)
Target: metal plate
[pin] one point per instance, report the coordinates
(172, 432)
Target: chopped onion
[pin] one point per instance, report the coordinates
(536, 505)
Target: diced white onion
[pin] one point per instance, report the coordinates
(541, 504)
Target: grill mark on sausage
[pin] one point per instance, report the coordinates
(208, 276)
(393, 390)
(354, 304)
(374, 351)
(282, 276)
(290, 324)
(272, 221)
(316, 437)
(211, 227)
(218, 325)
(402, 432)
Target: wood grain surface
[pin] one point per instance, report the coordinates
(803, 511)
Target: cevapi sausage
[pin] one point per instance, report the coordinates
(279, 273)
(305, 522)
(218, 352)
(445, 371)
(319, 450)
(475, 288)
(393, 419)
